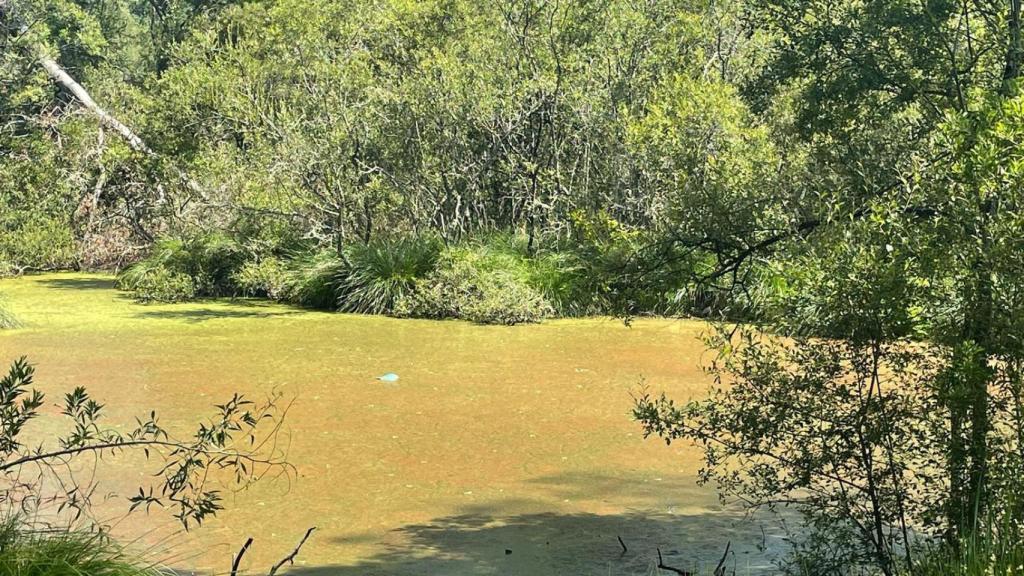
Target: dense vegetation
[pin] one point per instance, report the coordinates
(278, 141)
(847, 176)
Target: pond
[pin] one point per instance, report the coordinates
(498, 450)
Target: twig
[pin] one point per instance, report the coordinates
(663, 566)
(291, 557)
(238, 558)
(623, 544)
(720, 569)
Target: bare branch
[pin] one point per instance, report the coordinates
(238, 557)
(663, 566)
(290, 559)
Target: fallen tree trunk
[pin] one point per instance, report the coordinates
(10, 18)
(60, 76)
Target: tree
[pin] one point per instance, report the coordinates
(913, 145)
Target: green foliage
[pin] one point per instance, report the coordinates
(381, 273)
(157, 284)
(39, 243)
(232, 441)
(183, 268)
(267, 277)
(35, 212)
(478, 284)
(25, 551)
(311, 279)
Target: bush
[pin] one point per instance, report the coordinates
(265, 277)
(558, 274)
(620, 272)
(160, 285)
(39, 243)
(381, 273)
(311, 279)
(479, 285)
(26, 552)
(208, 261)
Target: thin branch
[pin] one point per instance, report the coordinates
(290, 559)
(663, 566)
(720, 569)
(238, 557)
(113, 445)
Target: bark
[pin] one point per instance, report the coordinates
(9, 15)
(60, 76)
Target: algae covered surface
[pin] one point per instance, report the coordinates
(499, 450)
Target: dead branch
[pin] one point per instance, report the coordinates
(623, 544)
(290, 559)
(663, 566)
(60, 76)
(720, 569)
(238, 557)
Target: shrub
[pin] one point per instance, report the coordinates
(159, 284)
(381, 273)
(477, 285)
(265, 277)
(557, 274)
(35, 242)
(208, 261)
(211, 260)
(311, 279)
(27, 552)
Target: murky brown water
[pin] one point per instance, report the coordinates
(493, 439)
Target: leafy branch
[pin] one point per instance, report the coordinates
(239, 442)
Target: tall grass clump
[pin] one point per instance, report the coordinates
(311, 279)
(29, 552)
(380, 273)
(997, 548)
(556, 273)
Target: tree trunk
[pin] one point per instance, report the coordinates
(64, 79)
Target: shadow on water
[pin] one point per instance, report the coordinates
(483, 541)
(79, 283)
(198, 315)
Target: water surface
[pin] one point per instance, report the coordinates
(494, 439)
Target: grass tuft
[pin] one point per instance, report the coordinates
(311, 279)
(381, 273)
(30, 552)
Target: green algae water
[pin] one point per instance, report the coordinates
(497, 450)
